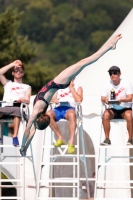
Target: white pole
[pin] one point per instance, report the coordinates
(78, 159)
(0, 160)
(23, 180)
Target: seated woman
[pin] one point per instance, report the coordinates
(38, 117)
(65, 108)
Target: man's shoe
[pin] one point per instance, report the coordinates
(130, 142)
(15, 141)
(106, 142)
(71, 148)
(58, 143)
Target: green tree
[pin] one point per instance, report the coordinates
(13, 46)
(63, 31)
(36, 13)
(66, 28)
(37, 76)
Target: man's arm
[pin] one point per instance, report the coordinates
(129, 94)
(128, 98)
(104, 99)
(27, 97)
(4, 69)
(104, 93)
(3, 79)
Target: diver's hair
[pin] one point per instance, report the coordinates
(43, 121)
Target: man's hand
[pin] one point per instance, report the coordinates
(119, 101)
(106, 101)
(21, 100)
(17, 63)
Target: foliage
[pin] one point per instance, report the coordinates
(13, 46)
(66, 27)
(63, 32)
(37, 76)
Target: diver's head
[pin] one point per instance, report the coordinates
(43, 121)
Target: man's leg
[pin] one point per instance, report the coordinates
(53, 125)
(107, 116)
(16, 123)
(127, 115)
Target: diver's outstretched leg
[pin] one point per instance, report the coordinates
(69, 73)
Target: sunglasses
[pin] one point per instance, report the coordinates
(115, 73)
(17, 70)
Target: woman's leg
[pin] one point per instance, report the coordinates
(69, 73)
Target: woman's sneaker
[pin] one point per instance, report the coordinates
(71, 148)
(58, 143)
(130, 142)
(106, 142)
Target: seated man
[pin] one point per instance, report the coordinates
(14, 91)
(123, 92)
(65, 100)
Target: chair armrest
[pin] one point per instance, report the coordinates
(24, 108)
(52, 105)
(78, 109)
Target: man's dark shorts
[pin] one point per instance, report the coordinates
(118, 113)
(13, 110)
(10, 110)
